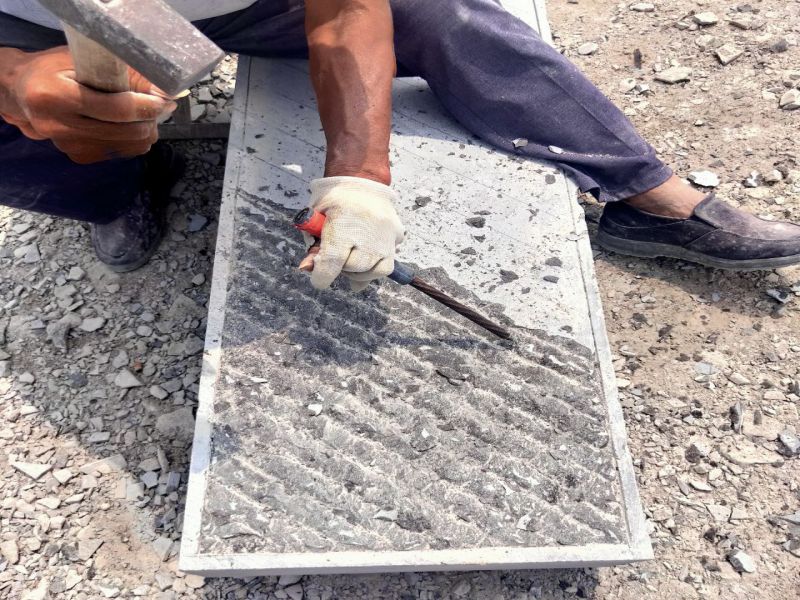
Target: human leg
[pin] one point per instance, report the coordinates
(498, 78)
(504, 83)
(35, 175)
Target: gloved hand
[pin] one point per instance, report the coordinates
(362, 231)
(46, 102)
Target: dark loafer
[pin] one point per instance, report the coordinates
(716, 235)
(127, 243)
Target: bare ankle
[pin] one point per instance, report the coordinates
(673, 198)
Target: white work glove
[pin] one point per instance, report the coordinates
(361, 232)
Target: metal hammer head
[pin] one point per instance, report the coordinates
(148, 35)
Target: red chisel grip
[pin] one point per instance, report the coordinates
(310, 221)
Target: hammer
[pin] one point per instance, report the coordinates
(105, 36)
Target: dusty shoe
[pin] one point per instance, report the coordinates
(128, 242)
(716, 235)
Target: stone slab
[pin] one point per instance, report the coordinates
(379, 432)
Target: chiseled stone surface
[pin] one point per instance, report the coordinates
(381, 421)
(432, 435)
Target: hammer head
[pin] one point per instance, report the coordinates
(148, 35)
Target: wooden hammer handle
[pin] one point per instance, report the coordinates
(95, 66)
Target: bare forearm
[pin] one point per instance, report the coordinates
(352, 66)
(10, 59)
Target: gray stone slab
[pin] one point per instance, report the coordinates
(379, 432)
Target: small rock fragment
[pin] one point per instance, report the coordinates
(728, 53)
(701, 486)
(696, 451)
(422, 201)
(72, 579)
(126, 380)
(294, 592)
(87, 548)
(508, 276)
(790, 442)
(790, 100)
(674, 75)
(173, 481)
(747, 21)
(58, 331)
(92, 324)
(781, 295)
(196, 223)
(76, 274)
(791, 78)
(704, 178)
(736, 413)
(32, 470)
(287, 580)
(705, 19)
(745, 453)
(742, 562)
(163, 547)
(386, 515)
(177, 425)
(738, 379)
(194, 581)
(588, 48)
(10, 551)
(158, 392)
(63, 475)
(104, 466)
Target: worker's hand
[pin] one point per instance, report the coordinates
(87, 125)
(361, 232)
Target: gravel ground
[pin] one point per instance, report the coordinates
(99, 373)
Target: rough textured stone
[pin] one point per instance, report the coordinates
(674, 75)
(704, 178)
(125, 379)
(380, 420)
(178, 424)
(728, 53)
(32, 470)
(790, 100)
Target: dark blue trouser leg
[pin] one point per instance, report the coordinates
(497, 77)
(36, 176)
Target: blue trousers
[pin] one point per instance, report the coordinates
(491, 71)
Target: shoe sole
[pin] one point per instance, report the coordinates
(654, 250)
(128, 267)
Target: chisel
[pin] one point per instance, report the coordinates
(312, 222)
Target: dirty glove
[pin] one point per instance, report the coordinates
(361, 233)
(45, 101)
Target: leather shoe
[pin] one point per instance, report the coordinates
(716, 235)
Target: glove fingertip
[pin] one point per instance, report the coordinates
(384, 268)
